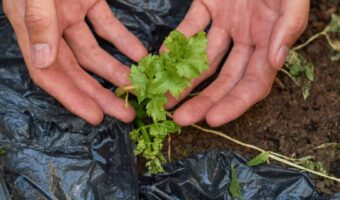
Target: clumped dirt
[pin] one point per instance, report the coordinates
(284, 122)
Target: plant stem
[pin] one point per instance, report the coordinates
(129, 87)
(142, 127)
(331, 43)
(311, 39)
(126, 100)
(169, 147)
(228, 138)
(290, 76)
(275, 156)
(326, 145)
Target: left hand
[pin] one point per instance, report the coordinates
(262, 32)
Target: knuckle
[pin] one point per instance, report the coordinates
(102, 32)
(106, 18)
(38, 20)
(93, 49)
(261, 86)
(107, 21)
(242, 101)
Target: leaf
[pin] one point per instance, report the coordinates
(234, 187)
(154, 166)
(335, 44)
(171, 126)
(148, 65)
(177, 43)
(2, 151)
(196, 59)
(298, 65)
(335, 56)
(334, 25)
(166, 81)
(134, 135)
(139, 108)
(310, 162)
(160, 130)
(155, 108)
(141, 146)
(139, 81)
(306, 91)
(259, 160)
(309, 72)
(301, 71)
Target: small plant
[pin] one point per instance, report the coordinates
(170, 73)
(234, 186)
(299, 69)
(259, 160)
(311, 163)
(154, 77)
(2, 151)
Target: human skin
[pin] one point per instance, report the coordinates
(262, 31)
(58, 46)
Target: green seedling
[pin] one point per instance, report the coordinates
(310, 162)
(154, 77)
(234, 187)
(170, 73)
(299, 69)
(259, 160)
(2, 151)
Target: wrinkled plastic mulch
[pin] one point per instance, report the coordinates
(52, 154)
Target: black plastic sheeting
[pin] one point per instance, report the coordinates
(52, 154)
(207, 176)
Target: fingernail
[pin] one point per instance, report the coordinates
(281, 56)
(41, 55)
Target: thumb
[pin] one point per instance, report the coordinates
(42, 26)
(288, 27)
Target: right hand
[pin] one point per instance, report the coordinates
(55, 41)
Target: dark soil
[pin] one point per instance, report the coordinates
(284, 122)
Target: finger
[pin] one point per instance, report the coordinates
(59, 85)
(195, 109)
(93, 58)
(42, 26)
(196, 20)
(289, 26)
(218, 44)
(253, 87)
(191, 23)
(53, 80)
(108, 102)
(108, 27)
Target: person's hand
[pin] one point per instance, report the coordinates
(262, 32)
(55, 41)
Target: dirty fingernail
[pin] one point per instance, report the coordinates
(41, 55)
(281, 56)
